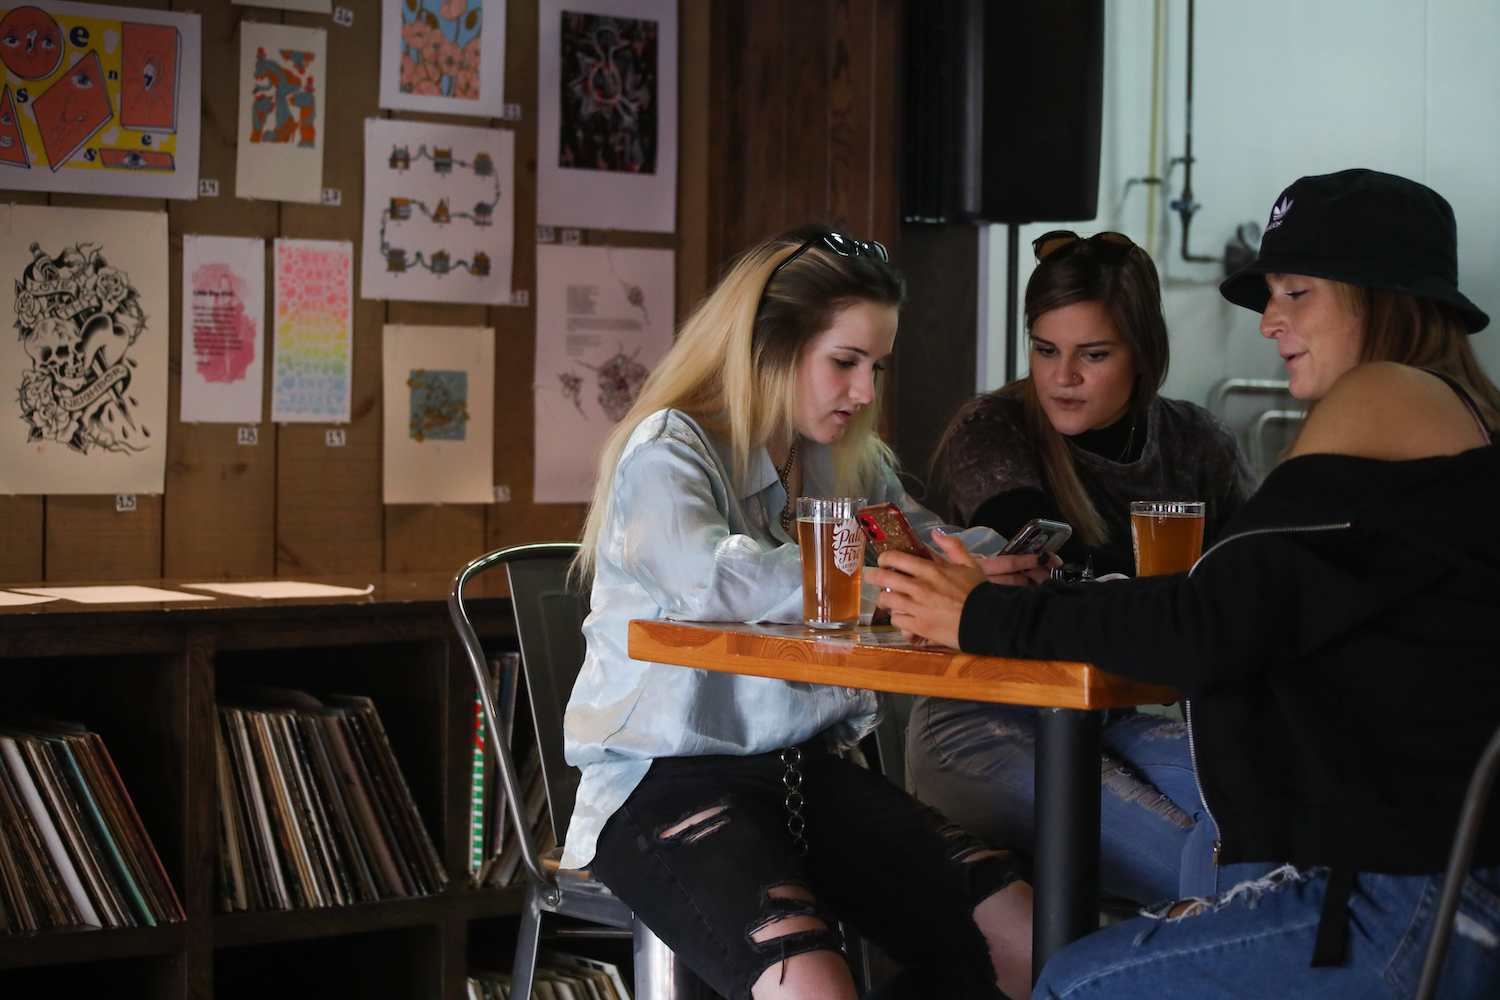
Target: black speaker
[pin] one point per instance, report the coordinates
(1004, 101)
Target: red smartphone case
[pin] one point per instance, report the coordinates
(889, 531)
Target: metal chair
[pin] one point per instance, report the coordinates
(1458, 866)
(549, 621)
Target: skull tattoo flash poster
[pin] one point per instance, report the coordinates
(604, 319)
(85, 363)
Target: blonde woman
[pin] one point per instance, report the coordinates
(771, 392)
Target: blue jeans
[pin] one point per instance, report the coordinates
(1257, 940)
(975, 763)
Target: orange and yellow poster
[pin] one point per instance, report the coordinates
(97, 99)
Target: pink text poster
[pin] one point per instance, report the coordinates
(313, 339)
(223, 329)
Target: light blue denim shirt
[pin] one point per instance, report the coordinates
(679, 541)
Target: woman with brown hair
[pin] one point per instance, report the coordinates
(1337, 645)
(1077, 439)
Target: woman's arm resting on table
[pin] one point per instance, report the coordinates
(1244, 611)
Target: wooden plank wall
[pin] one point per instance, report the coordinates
(788, 113)
(809, 99)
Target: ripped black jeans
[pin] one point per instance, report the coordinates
(702, 841)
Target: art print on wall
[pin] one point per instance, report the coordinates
(446, 56)
(223, 328)
(610, 93)
(439, 212)
(607, 114)
(603, 321)
(439, 387)
(86, 369)
(96, 99)
(313, 343)
(283, 77)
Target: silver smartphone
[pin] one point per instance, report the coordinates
(1038, 536)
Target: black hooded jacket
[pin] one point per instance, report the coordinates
(1338, 649)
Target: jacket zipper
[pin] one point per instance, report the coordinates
(1187, 705)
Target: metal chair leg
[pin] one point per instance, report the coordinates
(524, 969)
(659, 974)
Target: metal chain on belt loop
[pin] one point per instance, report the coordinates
(795, 824)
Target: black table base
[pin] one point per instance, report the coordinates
(1066, 878)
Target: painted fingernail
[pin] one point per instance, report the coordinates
(1041, 560)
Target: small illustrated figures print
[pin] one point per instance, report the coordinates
(78, 319)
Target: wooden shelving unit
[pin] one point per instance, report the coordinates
(145, 677)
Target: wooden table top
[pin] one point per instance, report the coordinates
(876, 658)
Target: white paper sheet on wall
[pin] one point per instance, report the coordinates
(607, 114)
(603, 321)
(313, 340)
(223, 328)
(439, 212)
(101, 100)
(439, 414)
(283, 77)
(443, 56)
(83, 387)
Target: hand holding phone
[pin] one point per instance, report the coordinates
(889, 531)
(1038, 536)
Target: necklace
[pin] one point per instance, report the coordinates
(784, 473)
(1130, 439)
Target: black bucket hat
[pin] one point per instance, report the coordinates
(1361, 227)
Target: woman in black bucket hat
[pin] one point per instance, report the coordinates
(1336, 645)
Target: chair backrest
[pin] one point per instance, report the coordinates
(549, 625)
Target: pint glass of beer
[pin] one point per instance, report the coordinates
(833, 558)
(1167, 534)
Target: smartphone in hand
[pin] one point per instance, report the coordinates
(889, 531)
(1037, 537)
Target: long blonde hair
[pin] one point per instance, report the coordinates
(733, 368)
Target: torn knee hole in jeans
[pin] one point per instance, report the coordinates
(1175, 910)
(696, 825)
(1120, 781)
(792, 923)
(967, 849)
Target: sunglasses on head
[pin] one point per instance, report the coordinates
(844, 246)
(1107, 246)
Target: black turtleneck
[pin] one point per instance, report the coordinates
(1008, 511)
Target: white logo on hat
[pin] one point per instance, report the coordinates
(1278, 212)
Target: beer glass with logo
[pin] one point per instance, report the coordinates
(1167, 534)
(833, 558)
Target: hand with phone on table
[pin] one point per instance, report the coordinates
(925, 595)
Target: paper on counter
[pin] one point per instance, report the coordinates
(280, 588)
(123, 594)
(9, 600)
